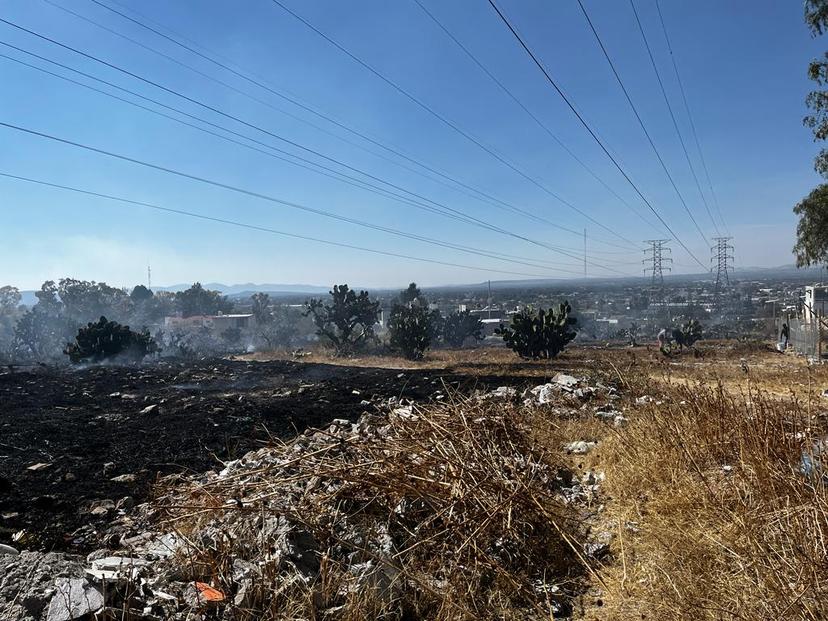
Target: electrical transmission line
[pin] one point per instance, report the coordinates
(332, 173)
(443, 178)
(690, 116)
(640, 120)
(261, 196)
(543, 126)
(254, 227)
(256, 127)
(673, 116)
(452, 125)
(590, 130)
(722, 252)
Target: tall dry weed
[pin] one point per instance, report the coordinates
(716, 515)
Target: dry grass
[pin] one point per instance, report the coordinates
(447, 512)
(714, 518)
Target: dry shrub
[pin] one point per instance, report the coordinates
(715, 518)
(446, 512)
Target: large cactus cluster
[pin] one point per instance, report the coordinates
(539, 334)
(105, 339)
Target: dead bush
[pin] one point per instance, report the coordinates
(445, 512)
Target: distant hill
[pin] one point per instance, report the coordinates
(244, 290)
(249, 288)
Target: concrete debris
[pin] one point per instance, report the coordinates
(38, 466)
(545, 393)
(74, 599)
(644, 400)
(4, 549)
(499, 393)
(566, 381)
(150, 409)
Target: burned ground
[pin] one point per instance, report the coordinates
(73, 442)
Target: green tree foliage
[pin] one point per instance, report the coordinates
(140, 294)
(812, 229)
(348, 321)
(816, 17)
(10, 312)
(541, 334)
(411, 294)
(106, 339)
(261, 308)
(460, 326)
(412, 327)
(276, 325)
(84, 300)
(200, 301)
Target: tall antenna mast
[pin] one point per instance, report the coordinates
(149, 278)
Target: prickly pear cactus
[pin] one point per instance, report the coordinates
(541, 334)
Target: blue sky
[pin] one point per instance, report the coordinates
(743, 64)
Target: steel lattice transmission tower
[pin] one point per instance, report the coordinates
(656, 255)
(722, 253)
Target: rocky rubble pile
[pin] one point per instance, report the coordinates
(450, 510)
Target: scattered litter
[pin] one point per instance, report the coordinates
(38, 466)
(581, 447)
(124, 478)
(644, 400)
(501, 392)
(150, 409)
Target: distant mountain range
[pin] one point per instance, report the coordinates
(278, 290)
(249, 288)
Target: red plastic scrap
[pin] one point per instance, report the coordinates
(209, 593)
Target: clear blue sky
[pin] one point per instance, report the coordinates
(743, 64)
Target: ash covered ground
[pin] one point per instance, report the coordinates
(78, 444)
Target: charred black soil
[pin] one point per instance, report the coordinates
(75, 441)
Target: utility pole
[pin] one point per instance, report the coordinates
(722, 252)
(656, 255)
(585, 261)
(489, 301)
(149, 278)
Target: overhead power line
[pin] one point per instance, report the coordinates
(589, 129)
(257, 195)
(307, 165)
(449, 123)
(673, 116)
(640, 120)
(332, 173)
(256, 227)
(253, 125)
(690, 115)
(528, 112)
(443, 178)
